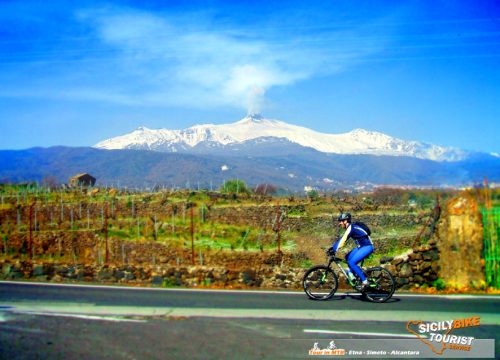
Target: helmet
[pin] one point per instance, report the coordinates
(344, 216)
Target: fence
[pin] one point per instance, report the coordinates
(491, 224)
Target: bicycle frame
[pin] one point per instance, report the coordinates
(337, 261)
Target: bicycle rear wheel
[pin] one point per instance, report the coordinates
(320, 282)
(381, 284)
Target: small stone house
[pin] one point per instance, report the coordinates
(82, 180)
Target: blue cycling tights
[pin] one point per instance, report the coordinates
(355, 256)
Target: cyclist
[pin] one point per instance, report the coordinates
(363, 249)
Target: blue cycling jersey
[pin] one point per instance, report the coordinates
(355, 232)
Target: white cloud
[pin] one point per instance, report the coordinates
(140, 58)
(197, 67)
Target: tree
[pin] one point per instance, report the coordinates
(313, 195)
(235, 186)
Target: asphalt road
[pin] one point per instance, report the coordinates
(74, 322)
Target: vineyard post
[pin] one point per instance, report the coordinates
(192, 234)
(278, 230)
(106, 232)
(9, 234)
(30, 230)
(4, 244)
(123, 252)
(62, 210)
(173, 222)
(18, 218)
(73, 247)
(155, 228)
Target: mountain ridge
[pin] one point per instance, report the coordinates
(254, 126)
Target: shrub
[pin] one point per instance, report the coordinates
(169, 282)
(439, 284)
(235, 186)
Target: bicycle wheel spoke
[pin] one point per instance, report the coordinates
(320, 283)
(381, 285)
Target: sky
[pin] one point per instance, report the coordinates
(74, 73)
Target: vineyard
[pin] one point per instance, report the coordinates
(228, 239)
(101, 225)
(115, 226)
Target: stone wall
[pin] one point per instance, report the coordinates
(416, 267)
(264, 216)
(160, 275)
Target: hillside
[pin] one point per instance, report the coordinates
(288, 169)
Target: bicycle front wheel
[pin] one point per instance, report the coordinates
(381, 284)
(320, 282)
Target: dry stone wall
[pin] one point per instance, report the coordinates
(418, 266)
(160, 275)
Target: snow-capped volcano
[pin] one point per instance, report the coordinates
(255, 126)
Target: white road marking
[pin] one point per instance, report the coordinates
(285, 292)
(299, 314)
(79, 316)
(384, 335)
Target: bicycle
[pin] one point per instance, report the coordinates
(320, 282)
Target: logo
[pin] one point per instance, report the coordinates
(330, 350)
(438, 334)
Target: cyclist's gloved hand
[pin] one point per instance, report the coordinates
(330, 252)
